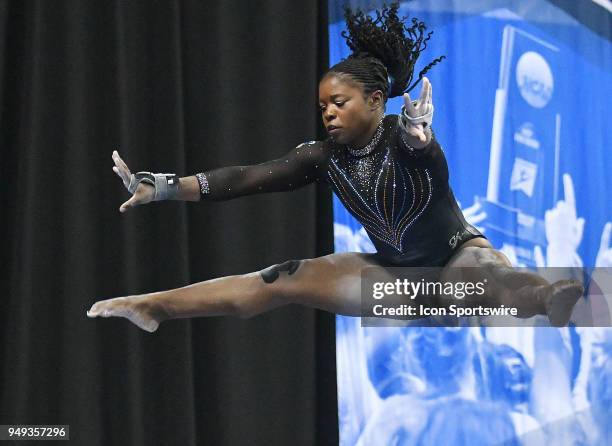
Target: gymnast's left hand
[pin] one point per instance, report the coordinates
(422, 107)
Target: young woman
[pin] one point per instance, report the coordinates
(390, 173)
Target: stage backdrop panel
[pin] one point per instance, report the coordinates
(522, 106)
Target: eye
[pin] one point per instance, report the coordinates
(340, 103)
(322, 108)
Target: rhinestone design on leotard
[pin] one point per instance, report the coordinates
(386, 194)
(371, 146)
(386, 218)
(203, 182)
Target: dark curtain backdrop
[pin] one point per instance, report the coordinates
(175, 87)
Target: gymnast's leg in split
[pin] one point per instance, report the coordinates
(528, 292)
(333, 283)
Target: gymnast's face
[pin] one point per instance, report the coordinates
(349, 116)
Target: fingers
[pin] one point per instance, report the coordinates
(120, 161)
(117, 159)
(424, 92)
(122, 168)
(424, 104)
(418, 132)
(568, 192)
(418, 110)
(120, 173)
(128, 204)
(408, 105)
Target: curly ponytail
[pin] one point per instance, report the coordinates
(383, 51)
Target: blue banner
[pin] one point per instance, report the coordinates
(521, 110)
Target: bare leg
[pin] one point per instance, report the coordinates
(330, 283)
(530, 293)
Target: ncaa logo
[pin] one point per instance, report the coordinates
(534, 79)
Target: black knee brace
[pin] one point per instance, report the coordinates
(271, 273)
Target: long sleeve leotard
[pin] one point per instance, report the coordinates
(400, 195)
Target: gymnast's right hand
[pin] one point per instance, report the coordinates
(143, 194)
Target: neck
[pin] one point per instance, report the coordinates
(367, 135)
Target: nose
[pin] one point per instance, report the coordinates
(329, 115)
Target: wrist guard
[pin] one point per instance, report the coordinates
(166, 184)
(406, 121)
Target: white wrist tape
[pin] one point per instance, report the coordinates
(166, 184)
(408, 121)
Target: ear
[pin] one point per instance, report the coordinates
(376, 100)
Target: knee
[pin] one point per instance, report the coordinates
(247, 307)
(272, 287)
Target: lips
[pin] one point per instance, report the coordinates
(332, 129)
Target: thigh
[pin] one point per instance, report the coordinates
(474, 262)
(475, 253)
(331, 283)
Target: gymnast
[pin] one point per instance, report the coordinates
(388, 170)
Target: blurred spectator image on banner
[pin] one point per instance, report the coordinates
(523, 95)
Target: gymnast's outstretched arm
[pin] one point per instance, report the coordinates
(302, 165)
(248, 294)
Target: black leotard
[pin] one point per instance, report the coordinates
(400, 195)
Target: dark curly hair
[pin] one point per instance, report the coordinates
(383, 51)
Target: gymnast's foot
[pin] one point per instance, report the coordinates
(560, 299)
(134, 308)
(556, 301)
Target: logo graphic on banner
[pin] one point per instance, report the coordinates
(525, 143)
(526, 135)
(523, 176)
(534, 79)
